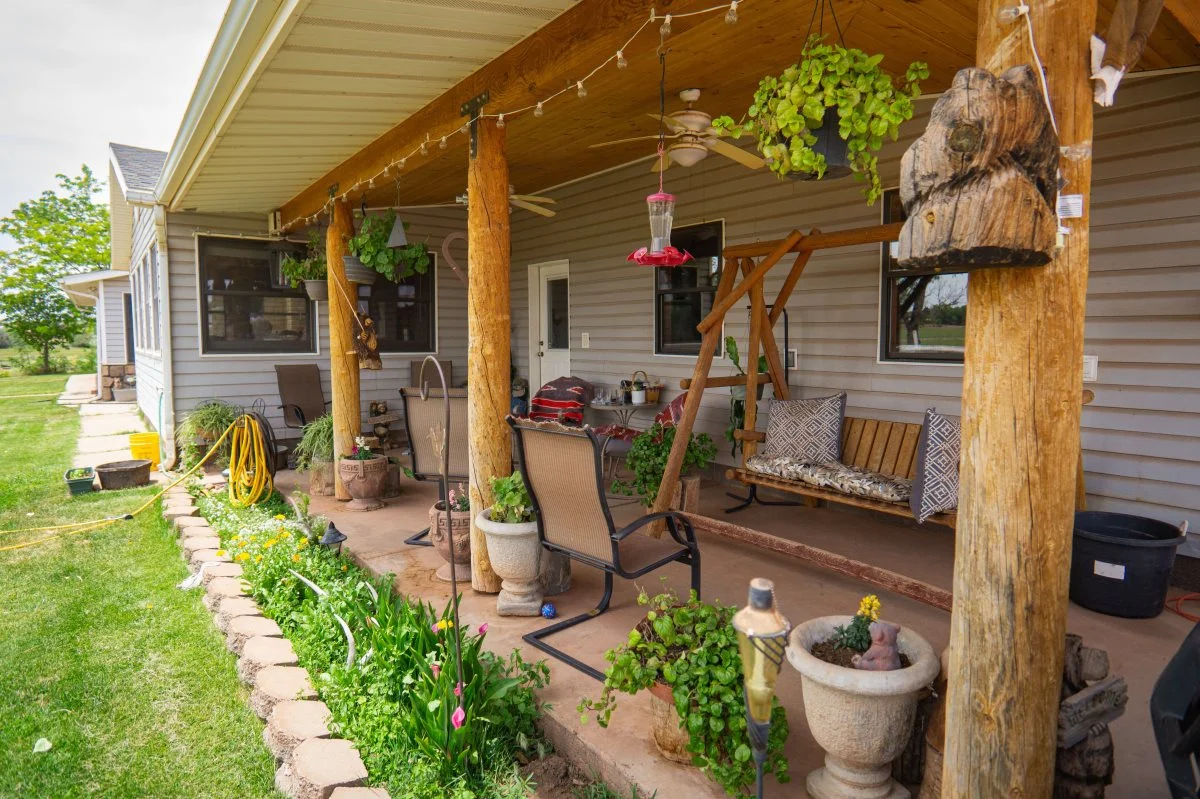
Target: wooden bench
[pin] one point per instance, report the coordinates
(876, 445)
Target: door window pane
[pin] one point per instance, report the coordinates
(558, 324)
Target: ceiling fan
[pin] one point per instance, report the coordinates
(691, 138)
(525, 201)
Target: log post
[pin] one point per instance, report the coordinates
(489, 321)
(1020, 443)
(758, 315)
(343, 363)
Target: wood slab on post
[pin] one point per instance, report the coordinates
(1022, 377)
(489, 321)
(343, 363)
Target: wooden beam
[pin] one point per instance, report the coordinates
(770, 348)
(789, 283)
(873, 234)
(722, 306)
(724, 382)
(489, 321)
(1022, 380)
(343, 363)
(758, 316)
(1187, 14)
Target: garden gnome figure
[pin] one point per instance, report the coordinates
(882, 654)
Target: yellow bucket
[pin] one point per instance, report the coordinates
(144, 446)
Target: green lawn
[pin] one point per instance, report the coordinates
(123, 673)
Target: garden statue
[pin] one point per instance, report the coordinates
(883, 654)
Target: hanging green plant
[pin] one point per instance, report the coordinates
(310, 266)
(789, 111)
(370, 245)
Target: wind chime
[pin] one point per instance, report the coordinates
(661, 204)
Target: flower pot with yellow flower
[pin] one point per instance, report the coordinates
(363, 472)
(861, 679)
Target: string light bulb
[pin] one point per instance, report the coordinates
(1010, 14)
(500, 121)
(539, 111)
(425, 146)
(731, 16)
(580, 90)
(371, 183)
(621, 62)
(403, 161)
(665, 30)
(442, 144)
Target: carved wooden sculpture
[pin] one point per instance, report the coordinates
(1122, 46)
(979, 185)
(366, 344)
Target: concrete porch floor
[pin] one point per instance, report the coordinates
(625, 753)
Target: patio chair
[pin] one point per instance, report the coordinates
(300, 395)
(1175, 712)
(421, 415)
(618, 439)
(414, 371)
(563, 472)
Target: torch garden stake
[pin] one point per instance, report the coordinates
(762, 638)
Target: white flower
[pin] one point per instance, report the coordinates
(359, 441)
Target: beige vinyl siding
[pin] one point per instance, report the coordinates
(1142, 433)
(242, 379)
(110, 321)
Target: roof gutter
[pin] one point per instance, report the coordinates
(166, 432)
(251, 32)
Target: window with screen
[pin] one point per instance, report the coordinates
(683, 295)
(924, 312)
(405, 312)
(245, 305)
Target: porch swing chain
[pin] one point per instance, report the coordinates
(818, 17)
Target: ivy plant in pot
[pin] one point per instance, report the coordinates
(685, 654)
(363, 472)
(793, 114)
(370, 254)
(309, 269)
(314, 454)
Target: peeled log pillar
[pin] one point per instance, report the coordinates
(1022, 376)
(489, 323)
(343, 363)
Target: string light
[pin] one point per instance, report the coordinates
(621, 62)
(442, 144)
(731, 14)
(371, 183)
(582, 92)
(403, 161)
(538, 111)
(665, 30)
(500, 121)
(425, 145)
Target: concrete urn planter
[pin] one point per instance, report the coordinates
(515, 552)
(364, 481)
(452, 540)
(862, 719)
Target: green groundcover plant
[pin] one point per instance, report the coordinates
(391, 687)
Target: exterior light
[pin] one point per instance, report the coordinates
(762, 638)
(539, 111)
(333, 537)
(731, 16)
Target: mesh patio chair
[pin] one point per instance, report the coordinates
(414, 370)
(564, 474)
(1175, 712)
(423, 414)
(300, 394)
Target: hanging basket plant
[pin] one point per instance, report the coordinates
(371, 245)
(832, 84)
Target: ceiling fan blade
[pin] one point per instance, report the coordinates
(626, 141)
(734, 153)
(537, 209)
(532, 198)
(670, 123)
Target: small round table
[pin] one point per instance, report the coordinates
(623, 410)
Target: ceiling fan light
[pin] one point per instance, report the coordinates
(687, 154)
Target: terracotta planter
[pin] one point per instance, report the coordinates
(320, 478)
(317, 290)
(669, 734)
(364, 481)
(452, 539)
(515, 552)
(862, 719)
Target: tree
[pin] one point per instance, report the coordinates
(62, 232)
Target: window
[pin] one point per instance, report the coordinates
(405, 313)
(244, 305)
(683, 295)
(155, 301)
(143, 286)
(924, 312)
(127, 310)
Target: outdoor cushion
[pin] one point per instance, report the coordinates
(561, 400)
(849, 480)
(807, 429)
(935, 485)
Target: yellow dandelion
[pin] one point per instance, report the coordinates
(242, 544)
(220, 553)
(270, 543)
(344, 567)
(258, 558)
(242, 556)
(280, 517)
(285, 535)
(302, 543)
(296, 558)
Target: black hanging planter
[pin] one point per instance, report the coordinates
(832, 146)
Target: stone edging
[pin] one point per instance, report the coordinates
(311, 763)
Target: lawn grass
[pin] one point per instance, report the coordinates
(123, 673)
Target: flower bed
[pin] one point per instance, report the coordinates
(389, 675)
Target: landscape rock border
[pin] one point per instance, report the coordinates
(311, 763)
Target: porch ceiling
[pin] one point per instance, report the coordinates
(355, 86)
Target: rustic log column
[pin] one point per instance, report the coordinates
(489, 323)
(343, 363)
(1020, 444)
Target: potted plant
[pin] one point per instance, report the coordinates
(363, 473)
(80, 480)
(737, 394)
(201, 427)
(314, 454)
(861, 680)
(450, 533)
(514, 548)
(647, 460)
(126, 389)
(638, 390)
(370, 254)
(685, 654)
(310, 269)
(793, 114)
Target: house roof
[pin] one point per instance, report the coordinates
(81, 288)
(137, 169)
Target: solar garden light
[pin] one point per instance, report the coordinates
(762, 638)
(333, 537)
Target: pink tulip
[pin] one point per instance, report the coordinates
(458, 690)
(436, 669)
(483, 628)
(458, 718)
(434, 627)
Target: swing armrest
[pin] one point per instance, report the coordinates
(749, 435)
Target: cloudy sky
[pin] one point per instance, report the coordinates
(81, 73)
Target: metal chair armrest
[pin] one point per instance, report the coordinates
(296, 410)
(670, 516)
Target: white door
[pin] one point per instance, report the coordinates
(550, 329)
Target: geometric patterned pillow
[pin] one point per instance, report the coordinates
(935, 486)
(807, 428)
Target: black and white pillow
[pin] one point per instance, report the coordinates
(807, 428)
(935, 486)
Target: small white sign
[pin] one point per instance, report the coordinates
(1070, 206)
(1115, 571)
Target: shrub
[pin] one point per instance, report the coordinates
(648, 456)
(202, 425)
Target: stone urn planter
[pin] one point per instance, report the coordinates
(452, 540)
(862, 719)
(670, 736)
(515, 552)
(364, 481)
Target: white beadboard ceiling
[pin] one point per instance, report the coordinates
(344, 73)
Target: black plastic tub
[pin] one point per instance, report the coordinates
(1121, 564)
(123, 474)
